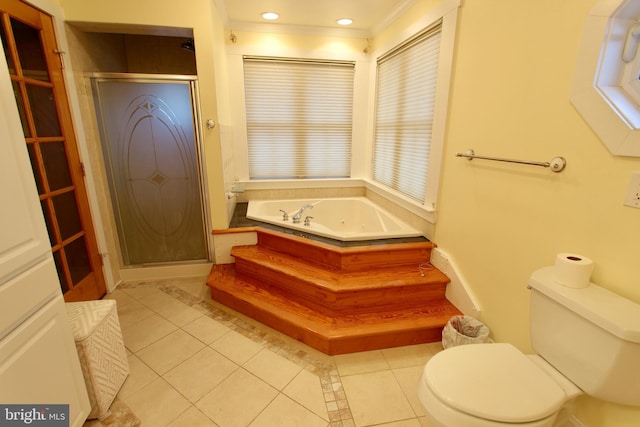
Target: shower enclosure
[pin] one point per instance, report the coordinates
(152, 156)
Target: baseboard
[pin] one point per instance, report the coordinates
(458, 293)
(571, 422)
(165, 271)
(566, 417)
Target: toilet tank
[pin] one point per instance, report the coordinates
(590, 335)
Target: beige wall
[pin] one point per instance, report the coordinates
(513, 70)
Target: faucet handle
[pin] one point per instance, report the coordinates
(307, 220)
(285, 215)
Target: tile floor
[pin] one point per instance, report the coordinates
(195, 362)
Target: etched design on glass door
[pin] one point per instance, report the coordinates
(157, 169)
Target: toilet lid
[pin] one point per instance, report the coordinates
(493, 381)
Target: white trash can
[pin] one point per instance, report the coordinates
(461, 330)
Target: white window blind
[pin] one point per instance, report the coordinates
(405, 101)
(299, 117)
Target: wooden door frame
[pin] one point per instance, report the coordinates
(71, 98)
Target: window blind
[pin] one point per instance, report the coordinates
(405, 101)
(299, 117)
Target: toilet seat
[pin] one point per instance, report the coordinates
(493, 382)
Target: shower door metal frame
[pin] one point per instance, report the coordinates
(199, 150)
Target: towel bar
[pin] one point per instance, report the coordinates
(557, 164)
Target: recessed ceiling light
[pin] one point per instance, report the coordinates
(270, 16)
(345, 21)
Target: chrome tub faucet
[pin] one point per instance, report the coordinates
(298, 215)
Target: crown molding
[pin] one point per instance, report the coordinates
(395, 14)
(296, 29)
(312, 30)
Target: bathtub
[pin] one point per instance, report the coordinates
(345, 219)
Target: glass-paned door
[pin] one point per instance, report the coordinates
(150, 146)
(35, 68)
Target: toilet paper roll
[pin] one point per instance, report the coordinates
(572, 270)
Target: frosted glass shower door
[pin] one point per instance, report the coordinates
(149, 144)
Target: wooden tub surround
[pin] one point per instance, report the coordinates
(336, 299)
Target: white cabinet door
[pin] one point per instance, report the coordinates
(38, 359)
(24, 294)
(39, 366)
(23, 234)
(24, 241)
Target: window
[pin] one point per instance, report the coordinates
(606, 85)
(299, 117)
(405, 111)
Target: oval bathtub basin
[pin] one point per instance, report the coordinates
(346, 219)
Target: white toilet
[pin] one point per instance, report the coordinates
(587, 340)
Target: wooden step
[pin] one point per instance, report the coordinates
(336, 299)
(332, 334)
(356, 258)
(328, 289)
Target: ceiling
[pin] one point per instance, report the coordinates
(312, 16)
